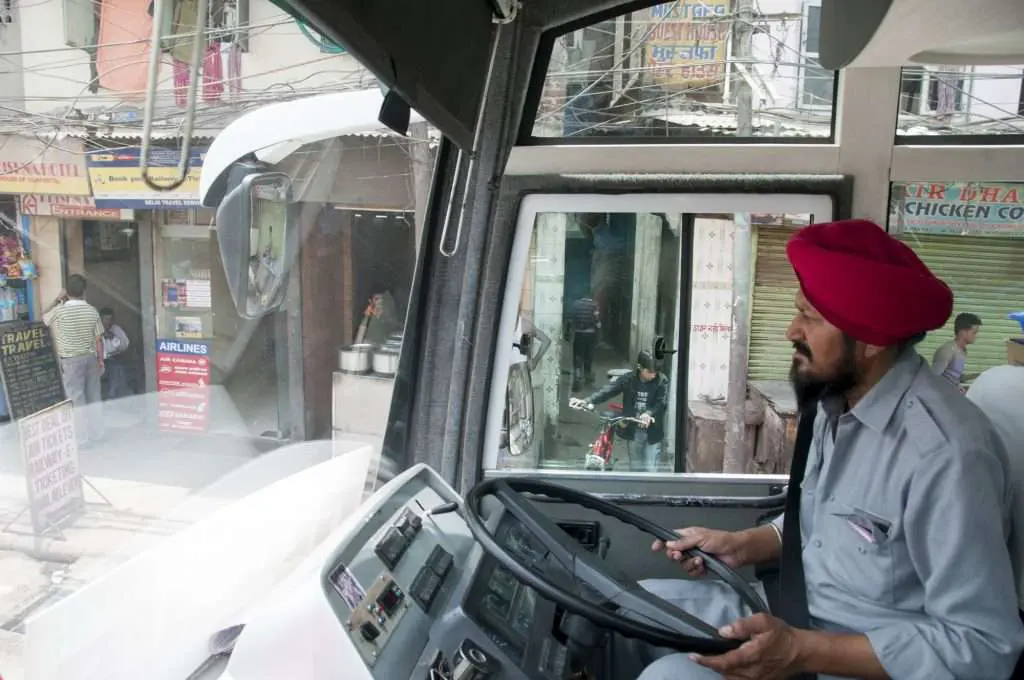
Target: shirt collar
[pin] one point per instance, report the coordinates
(876, 408)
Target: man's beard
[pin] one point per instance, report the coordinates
(810, 389)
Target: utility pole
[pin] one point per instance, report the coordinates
(735, 459)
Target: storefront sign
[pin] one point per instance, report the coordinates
(54, 480)
(29, 368)
(30, 166)
(116, 178)
(72, 207)
(687, 42)
(182, 383)
(972, 208)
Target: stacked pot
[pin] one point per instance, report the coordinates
(363, 358)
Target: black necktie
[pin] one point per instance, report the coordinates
(792, 605)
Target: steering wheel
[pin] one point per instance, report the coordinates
(658, 622)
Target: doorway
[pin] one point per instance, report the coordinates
(110, 257)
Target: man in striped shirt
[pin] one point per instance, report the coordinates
(78, 335)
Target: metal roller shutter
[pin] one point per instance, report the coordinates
(987, 278)
(775, 287)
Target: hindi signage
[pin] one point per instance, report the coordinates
(182, 383)
(970, 208)
(54, 480)
(687, 42)
(29, 368)
(116, 177)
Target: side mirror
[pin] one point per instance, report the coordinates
(256, 231)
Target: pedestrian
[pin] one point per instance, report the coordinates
(78, 336)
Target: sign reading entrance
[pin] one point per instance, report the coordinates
(182, 383)
(55, 492)
(29, 368)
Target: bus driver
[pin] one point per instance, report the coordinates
(905, 501)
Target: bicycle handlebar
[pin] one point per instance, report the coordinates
(614, 420)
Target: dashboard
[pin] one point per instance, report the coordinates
(416, 597)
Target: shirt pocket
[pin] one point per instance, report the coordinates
(860, 558)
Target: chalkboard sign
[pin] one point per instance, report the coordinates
(29, 368)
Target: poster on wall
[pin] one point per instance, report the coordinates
(962, 208)
(116, 178)
(52, 475)
(188, 327)
(182, 383)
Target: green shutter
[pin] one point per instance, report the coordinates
(775, 287)
(987, 278)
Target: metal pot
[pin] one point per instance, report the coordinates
(355, 358)
(385, 362)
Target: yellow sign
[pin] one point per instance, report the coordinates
(687, 43)
(117, 182)
(29, 166)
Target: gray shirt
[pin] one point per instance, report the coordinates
(905, 517)
(949, 362)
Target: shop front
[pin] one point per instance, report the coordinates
(31, 268)
(971, 234)
(210, 370)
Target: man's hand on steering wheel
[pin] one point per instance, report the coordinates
(773, 650)
(728, 546)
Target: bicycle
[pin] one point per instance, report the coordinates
(599, 458)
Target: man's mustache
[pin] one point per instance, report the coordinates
(802, 349)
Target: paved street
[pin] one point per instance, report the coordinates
(152, 481)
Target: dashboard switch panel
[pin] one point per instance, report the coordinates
(376, 617)
(440, 561)
(430, 578)
(392, 547)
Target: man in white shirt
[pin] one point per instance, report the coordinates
(999, 393)
(115, 344)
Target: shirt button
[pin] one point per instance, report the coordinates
(817, 543)
(861, 549)
(831, 499)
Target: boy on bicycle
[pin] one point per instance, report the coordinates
(645, 397)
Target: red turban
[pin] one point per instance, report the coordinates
(866, 283)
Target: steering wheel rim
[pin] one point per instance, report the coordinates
(596, 614)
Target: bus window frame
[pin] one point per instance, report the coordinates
(538, 76)
(526, 197)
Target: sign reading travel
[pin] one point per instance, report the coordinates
(182, 383)
(116, 177)
(54, 480)
(29, 368)
(968, 208)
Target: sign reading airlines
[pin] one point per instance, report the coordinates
(116, 178)
(971, 208)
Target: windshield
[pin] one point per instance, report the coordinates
(149, 431)
(169, 454)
